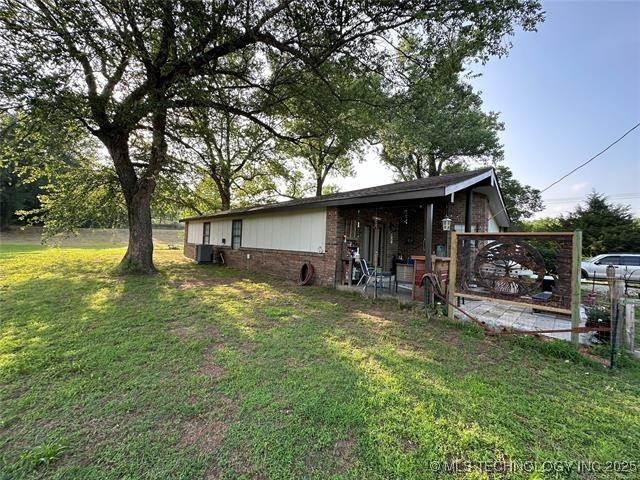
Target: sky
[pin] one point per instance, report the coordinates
(564, 93)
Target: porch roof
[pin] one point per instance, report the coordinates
(430, 187)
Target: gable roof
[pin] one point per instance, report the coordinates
(430, 187)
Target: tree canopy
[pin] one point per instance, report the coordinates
(522, 201)
(328, 119)
(606, 227)
(122, 68)
(436, 119)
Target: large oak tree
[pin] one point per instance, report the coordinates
(123, 66)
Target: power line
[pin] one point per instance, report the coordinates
(579, 166)
(592, 158)
(615, 196)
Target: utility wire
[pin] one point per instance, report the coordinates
(592, 158)
(613, 196)
(582, 164)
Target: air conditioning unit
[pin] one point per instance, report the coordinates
(204, 253)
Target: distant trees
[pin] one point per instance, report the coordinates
(35, 151)
(16, 191)
(226, 148)
(53, 174)
(123, 69)
(606, 227)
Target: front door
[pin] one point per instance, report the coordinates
(373, 245)
(378, 246)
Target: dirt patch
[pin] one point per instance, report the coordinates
(208, 435)
(342, 453)
(211, 370)
(208, 366)
(408, 445)
(207, 432)
(594, 358)
(336, 458)
(375, 318)
(187, 284)
(184, 332)
(212, 474)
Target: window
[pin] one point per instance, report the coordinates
(609, 261)
(236, 234)
(206, 232)
(630, 261)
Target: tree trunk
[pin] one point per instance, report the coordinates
(137, 195)
(139, 256)
(225, 195)
(223, 185)
(319, 184)
(431, 166)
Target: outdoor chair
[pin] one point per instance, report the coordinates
(369, 274)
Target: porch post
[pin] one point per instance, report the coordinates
(428, 243)
(468, 210)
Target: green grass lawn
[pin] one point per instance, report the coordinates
(205, 372)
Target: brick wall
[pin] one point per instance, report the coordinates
(411, 234)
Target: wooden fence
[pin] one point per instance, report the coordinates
(540, 270)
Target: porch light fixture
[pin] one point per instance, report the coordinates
(446, 224)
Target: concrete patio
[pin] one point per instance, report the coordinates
(502, 315)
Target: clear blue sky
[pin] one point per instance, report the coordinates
(564, 93)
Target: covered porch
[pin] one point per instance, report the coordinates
(398, 241)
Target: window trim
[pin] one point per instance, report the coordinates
(206, 233)
(235, 222)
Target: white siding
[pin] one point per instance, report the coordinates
(194, 233)
(300, 231)
(220, 229)
(492, 225)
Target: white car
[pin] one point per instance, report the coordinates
(627, 266)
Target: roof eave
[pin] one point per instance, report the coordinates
(385, 197)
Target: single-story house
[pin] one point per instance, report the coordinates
(382, 224)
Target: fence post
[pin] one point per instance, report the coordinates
(616, 321)
(629, 326)
(453, 267)
(576, 277)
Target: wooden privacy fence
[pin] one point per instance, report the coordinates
(540, 270)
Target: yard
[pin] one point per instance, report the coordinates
(205, 372)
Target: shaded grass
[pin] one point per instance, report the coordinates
(205, 372)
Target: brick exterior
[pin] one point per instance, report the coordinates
(411, 234)
(400, 238)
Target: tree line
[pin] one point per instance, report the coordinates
(151, 107)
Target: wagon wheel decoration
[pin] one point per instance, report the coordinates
(498, 264)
